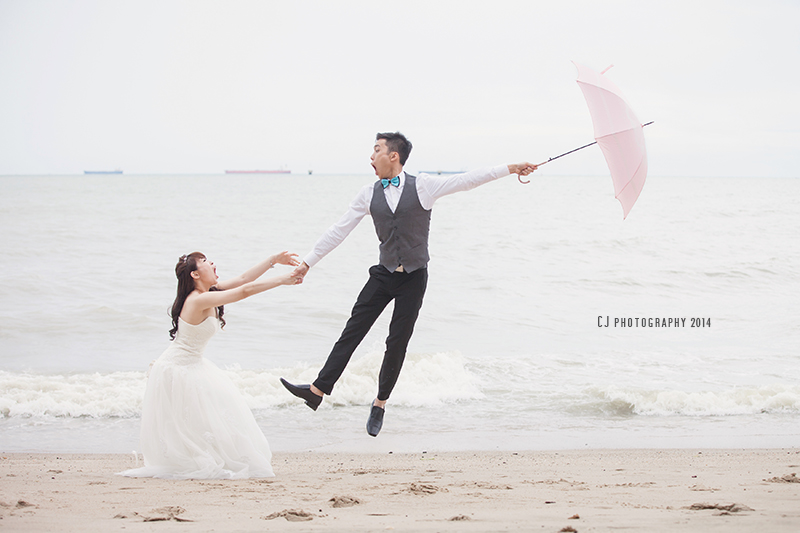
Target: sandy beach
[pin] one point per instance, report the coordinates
(592, 490)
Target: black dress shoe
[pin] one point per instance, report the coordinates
(375, 421)
(304, 392)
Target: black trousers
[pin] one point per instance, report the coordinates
(407, 290)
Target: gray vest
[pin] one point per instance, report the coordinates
(404, 233)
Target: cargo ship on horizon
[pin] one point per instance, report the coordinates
(258, 172)
(115, 171)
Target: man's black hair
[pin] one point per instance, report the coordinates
(397, 142)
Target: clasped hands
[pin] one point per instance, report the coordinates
(300, 272)
(290, 259)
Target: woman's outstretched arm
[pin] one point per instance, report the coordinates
(197, 305)
(252, 274)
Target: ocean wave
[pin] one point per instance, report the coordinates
(617, 401)
(118, 394)
(426, 380)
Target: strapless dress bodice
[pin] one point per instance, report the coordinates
(191, 340)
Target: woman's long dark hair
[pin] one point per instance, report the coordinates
(183, 270)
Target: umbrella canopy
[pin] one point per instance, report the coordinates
(618, 133)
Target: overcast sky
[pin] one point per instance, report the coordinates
(196, 86)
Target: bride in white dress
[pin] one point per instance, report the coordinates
(195, 422)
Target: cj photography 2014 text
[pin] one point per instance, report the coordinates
(608, 321)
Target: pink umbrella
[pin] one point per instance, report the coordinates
(619, 134)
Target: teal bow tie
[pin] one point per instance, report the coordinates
(394, 181)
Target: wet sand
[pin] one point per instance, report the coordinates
(591, 490)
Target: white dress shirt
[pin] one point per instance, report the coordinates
(429, 189)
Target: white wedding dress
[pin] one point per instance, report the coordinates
(195, 422)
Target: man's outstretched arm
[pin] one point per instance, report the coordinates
(434, 187)
(337, 233)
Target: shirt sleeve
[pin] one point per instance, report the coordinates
(337, 233)
(431, 188)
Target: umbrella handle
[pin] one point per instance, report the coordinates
(519, 178)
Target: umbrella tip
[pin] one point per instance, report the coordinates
(607, 69)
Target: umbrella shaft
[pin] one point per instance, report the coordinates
(581, 148)
(567, 153)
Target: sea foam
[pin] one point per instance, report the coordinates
(117, 394)
(426, 379)
(727, 402)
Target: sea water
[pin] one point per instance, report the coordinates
(549, 322)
